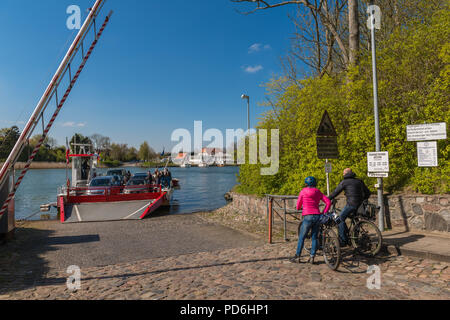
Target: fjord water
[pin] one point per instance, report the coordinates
(202, 189)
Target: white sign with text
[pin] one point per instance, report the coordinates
(378, 174)
(427, 154)
(427, 132)
(378, 161)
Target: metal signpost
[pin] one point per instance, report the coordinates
(328, 170)
(327, 147)
(374, 22)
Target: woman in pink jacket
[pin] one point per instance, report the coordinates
(309, 198)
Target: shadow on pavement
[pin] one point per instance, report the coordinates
(21, 262)
(353, 262)
(73, 239)
(398, 240)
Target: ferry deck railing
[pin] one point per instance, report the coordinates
(85, 194)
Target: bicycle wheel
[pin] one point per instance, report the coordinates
(366, 238)
(331, 248)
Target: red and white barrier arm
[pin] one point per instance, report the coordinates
(49, 125)
(12, 159)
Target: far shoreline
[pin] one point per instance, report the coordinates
(39, 165)
(36, 165)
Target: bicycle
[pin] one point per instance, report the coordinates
(364, 236)
(328, 242)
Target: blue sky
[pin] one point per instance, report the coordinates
(160, 65)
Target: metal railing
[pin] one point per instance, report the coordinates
(81, 193)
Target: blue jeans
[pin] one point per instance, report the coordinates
(343, 230)
(310, 222)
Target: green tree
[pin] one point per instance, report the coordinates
(413, 69)
(8, 138)
(119, 152)
(132, 154)
(146, 153)
(78, 138)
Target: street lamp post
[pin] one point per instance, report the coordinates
(244, 96)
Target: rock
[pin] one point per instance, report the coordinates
(147, 295)
(435, 222)
(417, 209)
(431, 199)
(420, 199)
(316, 277)
(436, 272)
(443, 201)
(228, 196)
(446, 215)
(396, 214)
(431, 207)
(417, 223)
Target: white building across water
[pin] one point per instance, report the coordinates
(207, 157)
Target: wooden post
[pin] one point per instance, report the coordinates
(270, 220)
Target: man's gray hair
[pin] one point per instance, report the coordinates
(347, 171)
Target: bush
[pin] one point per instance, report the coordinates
(111, 163)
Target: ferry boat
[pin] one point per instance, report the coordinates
(82, 200)
(220, 163)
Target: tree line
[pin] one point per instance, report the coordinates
(51, 152)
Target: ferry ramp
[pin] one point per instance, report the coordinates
(107, 211)
(51, 245)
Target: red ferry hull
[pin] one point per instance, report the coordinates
(111, 207)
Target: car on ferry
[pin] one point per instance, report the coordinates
(121, 173)
(99, 185)
(141, 175)
(136, 185)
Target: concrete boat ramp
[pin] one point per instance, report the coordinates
(107, 211)
(50, 245)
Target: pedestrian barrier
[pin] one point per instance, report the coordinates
(278, 205)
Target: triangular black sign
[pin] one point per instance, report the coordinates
(326, 127)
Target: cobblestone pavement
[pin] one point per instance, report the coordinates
(261, 272)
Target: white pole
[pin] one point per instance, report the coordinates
(328, 179)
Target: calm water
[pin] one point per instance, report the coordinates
(201, 189)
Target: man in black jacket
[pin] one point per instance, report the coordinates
(356, 192)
